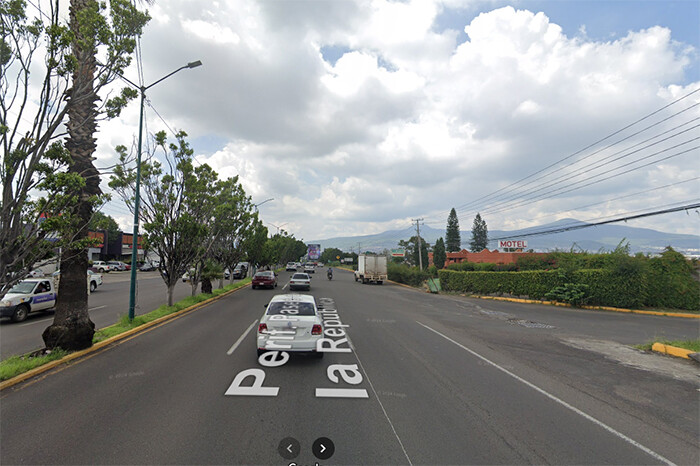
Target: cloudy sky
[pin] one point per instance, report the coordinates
(358, 116)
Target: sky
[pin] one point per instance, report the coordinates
(358, 116)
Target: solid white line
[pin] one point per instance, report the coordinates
(285, 285)
(238, 342)
(558, 400)
(51, 318)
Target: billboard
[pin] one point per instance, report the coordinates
(398, 253)
(512, 244)
(313, 251)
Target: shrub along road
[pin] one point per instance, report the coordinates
(447, 380)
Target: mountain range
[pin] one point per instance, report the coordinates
(592, 239)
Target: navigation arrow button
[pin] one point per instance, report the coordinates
(289, 448)
(323, 448)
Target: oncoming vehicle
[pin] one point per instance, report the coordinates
(33, 294)
(266, 278)
(290, 323)
(300, 280)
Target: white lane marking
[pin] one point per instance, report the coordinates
(558, 400)
(51, 318)
(240, 339)
(381, 405)
(285, 285)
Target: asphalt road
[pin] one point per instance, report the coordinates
(106, 306)
(428, 380)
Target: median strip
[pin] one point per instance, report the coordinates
(675, 351)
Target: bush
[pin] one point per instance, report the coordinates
(604, 287)
(670, 282)
(572, 293)
(543, 262)
(432, 271)
(408, 275)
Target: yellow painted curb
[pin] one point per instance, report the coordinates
(671, 350)
(597, 308)
(78, 354)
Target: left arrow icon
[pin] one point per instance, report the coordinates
(289, 448)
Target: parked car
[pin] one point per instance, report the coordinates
(36, 273)
(265, 278)
(101, 266)
(118, 265)
(95, 279)
(300, 280)
(290, 315)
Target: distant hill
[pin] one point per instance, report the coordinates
(592, 239)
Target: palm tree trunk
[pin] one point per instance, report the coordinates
(72, 328)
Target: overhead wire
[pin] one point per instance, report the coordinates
(513, 186)
(686, 207)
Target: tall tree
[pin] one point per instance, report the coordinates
(480, 235)
(92, 25)
(254, 244)
(439, 256)
(453, 238)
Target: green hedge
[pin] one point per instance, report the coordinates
(605, 288)
(408, 275)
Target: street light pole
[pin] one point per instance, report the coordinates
(137, 197)
(261, 203)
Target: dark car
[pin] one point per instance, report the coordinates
(265, 279)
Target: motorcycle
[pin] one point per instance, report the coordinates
(330, 275)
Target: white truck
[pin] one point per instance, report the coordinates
(37, 294)
(371, 269)
(32, 294)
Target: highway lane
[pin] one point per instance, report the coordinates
(447, 382)
(106, 306)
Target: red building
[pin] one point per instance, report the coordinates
(485, 256)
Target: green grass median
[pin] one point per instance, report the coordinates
(16, 365)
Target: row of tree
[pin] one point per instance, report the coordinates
(451, 243)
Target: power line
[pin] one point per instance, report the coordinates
(516, 183)
(600, 163)
(564, 190)
(587, 225)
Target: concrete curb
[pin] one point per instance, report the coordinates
(673, 351)
(595, 308)
(97, 346)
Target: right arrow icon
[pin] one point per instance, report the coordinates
(323, 448)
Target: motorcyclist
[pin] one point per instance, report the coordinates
(330, 273)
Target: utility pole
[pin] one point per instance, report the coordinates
(420, 254)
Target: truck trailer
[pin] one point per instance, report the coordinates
(371, 269)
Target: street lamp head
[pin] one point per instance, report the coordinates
(194, 64)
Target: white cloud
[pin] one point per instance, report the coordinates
(408, 122)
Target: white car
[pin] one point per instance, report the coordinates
(102, 266)
(300, 280)
(309, 268)
(291, 323)
(95, 279)
(291, 267)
